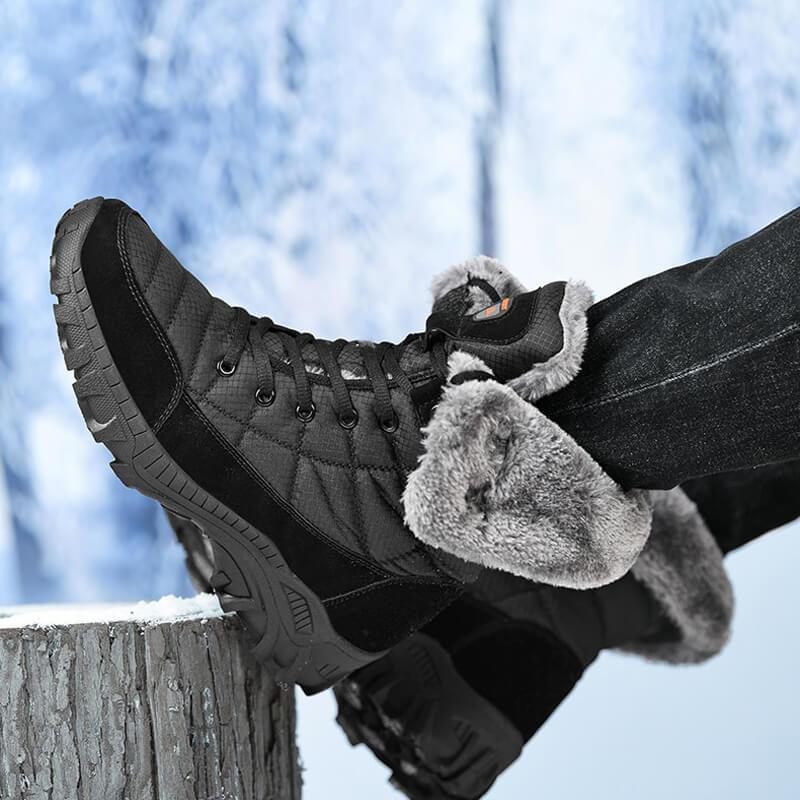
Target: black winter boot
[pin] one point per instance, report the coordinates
(452, 707)
(290, 452)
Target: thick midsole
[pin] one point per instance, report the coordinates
(293, 633)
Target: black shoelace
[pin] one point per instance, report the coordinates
(381, 364)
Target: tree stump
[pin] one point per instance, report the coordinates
(156, 701)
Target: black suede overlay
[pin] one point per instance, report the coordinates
(143, 360)
(366, 605)
(327, 570)
(519, 667)
(524, 671)
(461, 620)
(386, 613)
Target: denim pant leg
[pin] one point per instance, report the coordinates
(743, 505)
(694, 371)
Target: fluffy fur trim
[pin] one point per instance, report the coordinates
(501, 485)
(555, 373)
(559, 370)
(682, 568)
(488, 269)
(459, 362)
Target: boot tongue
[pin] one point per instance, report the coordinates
(414, 358)
(473, 295)
(448, 313)
(350, 360)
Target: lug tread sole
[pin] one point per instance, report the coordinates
(293, 637)
(440, 739)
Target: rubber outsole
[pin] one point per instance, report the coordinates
(440, 739)
(293, 636)
(199, 554)
(397, 706)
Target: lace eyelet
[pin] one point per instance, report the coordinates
(224, 368)
(389, 425)
(265, 398)
(306, 414)
(350, 420)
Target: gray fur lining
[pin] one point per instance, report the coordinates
(503, 486)
(488, 269)
(461, 361)
(555, 373)
(682, 568)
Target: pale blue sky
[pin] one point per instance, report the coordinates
(331, 150)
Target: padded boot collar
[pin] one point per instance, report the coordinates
(474, 274)
(479, 282)
(503, 486)
(682, 568)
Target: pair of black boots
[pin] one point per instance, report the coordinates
(451, 707)
(352, 494)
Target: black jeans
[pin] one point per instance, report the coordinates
(692, 377)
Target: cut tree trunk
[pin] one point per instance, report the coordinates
(158, 701)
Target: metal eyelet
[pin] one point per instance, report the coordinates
(265, 398)
(350, 420)
(225, 369)
(306, 414)
(389, 425)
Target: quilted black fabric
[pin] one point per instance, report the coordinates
(347, 483)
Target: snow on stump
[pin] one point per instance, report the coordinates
(155, 701)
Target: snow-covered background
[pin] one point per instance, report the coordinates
(343, 152)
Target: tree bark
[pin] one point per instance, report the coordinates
(139, 705)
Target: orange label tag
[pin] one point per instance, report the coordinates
(494, 311)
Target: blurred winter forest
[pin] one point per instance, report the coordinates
(319, 161)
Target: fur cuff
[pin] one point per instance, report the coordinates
(483, 268)
(682, 568)
(461, 363)
(548, 376)
(503, 486)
